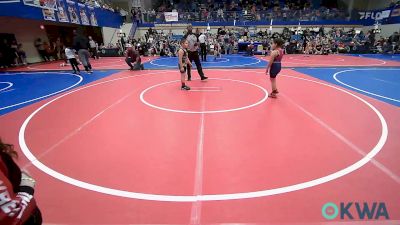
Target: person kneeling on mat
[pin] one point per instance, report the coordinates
(133, 56)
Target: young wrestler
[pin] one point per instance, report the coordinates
(71, 56)
(274, 65)
(183, 63)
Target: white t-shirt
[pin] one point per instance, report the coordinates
(69, 53)
(202, 38)
(92, 44)
(192, 40)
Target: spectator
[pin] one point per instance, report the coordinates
(133, 56)
(49, 51)
(193, 53)
(59, 49)
(41, 49)
(93, 48)
(14, 53)
(21, 55)
(81, 45)
(203, 47)
(16, 191)
(6, 52)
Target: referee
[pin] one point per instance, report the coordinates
(193, 53)
(203, 47)
(81, 45)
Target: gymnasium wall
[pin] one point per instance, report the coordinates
(25, 31)
(364, 5)
(386, 30)
(110, 35)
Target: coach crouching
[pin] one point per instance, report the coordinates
(133, 56)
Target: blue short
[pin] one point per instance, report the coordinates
(275, 69)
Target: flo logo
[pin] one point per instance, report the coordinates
(351, 210)
(374, 15)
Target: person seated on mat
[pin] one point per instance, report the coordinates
(133, 56)
(17, 204)
(250, 49)
(217, 50)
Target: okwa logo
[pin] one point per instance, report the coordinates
(351, 210)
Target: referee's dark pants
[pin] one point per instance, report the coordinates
(194, 56)
(203, 51)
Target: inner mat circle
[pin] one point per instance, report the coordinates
(222, 95)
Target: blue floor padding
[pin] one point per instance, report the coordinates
(379, 83)
(31, 87)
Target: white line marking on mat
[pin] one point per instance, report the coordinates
(345, 140)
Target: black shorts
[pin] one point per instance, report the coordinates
(184, 68)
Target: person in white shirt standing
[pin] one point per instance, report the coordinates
(203, 47)
(70, 54)
(93, 48)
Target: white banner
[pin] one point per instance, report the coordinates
(377, 15)
(45, 4)
(9, 1)
(171, 16)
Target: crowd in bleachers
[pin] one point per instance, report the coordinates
(105, 4)
(321, 41)
(318, 40)
(243, 10)
(11, 54)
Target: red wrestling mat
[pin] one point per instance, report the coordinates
(137, 150)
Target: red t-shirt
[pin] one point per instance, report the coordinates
(16, 203)
(133, 54)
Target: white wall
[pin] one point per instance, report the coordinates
(126, 28)
(25, 31)
(364, 5)
(110, 37)
(378, 4)
(386, 30)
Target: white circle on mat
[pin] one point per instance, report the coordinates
(44, 96)
(142, 98)
(335, 76)
(257, 61)
(217, 61)
(214, 197)
(311, 59)
(9, 84)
